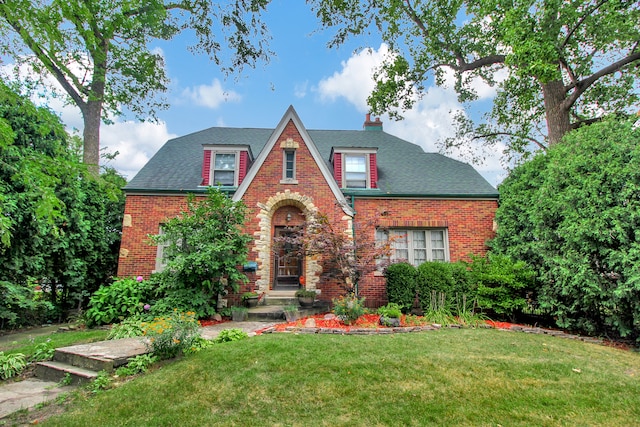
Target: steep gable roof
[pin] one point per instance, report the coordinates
(404, 169)
(291, 115)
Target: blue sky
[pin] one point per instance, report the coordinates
(328, 89)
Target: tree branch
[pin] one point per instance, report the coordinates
(580, 22)
(584, 84)
(511, 135)
(48, 61)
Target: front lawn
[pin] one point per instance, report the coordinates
(448, 377)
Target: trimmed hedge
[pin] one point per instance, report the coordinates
(401, 284)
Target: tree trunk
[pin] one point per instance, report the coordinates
(91, 147)
(558, 123)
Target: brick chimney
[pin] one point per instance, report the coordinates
(375, 125)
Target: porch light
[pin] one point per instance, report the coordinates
(288, 216)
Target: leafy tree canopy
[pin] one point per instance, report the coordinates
(59, 226)
(100, 51)
(556, 64)
(575, 219)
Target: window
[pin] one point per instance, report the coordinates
(355, 170)
(160, 252)
(416, 246)
(224, 170)
(289, 167)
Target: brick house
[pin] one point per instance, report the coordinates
(438, 208)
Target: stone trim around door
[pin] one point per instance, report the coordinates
(263, 238)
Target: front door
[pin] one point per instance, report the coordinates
(287, 264)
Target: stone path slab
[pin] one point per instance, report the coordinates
(28, 394)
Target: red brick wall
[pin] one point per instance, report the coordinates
(137, 256)
(469, 224)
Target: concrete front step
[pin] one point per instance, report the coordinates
(84, 361)
(276, 312)
(57, 371)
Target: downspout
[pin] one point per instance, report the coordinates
(353, 233)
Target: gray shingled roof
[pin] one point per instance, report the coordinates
(404, 169)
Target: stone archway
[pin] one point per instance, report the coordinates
(264, 237)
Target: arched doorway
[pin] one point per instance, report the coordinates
(287, 261)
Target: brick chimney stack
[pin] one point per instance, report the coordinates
(375, 125)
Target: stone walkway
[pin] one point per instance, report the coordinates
(29, 393)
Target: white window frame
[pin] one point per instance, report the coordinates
(161, 247)
(235, 150)
(411, 244)
(285, 179)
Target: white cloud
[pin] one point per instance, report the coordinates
(300, 89)
(355, 81)
(211, 96)
(136, 143)
(430, 119)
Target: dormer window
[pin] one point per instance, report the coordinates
(355, 171)
(355, 167)
(225, 165)
(224, 171)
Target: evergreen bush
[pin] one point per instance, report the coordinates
(401, 284)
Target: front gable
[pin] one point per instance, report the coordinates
(291, 161)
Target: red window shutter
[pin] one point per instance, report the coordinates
(337, 168)
(206, 167)
(373, 170)
(244, 162)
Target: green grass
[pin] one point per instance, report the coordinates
(442, 378)
(26, 345)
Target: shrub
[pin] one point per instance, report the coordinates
(20, 306)
(228, 335)
(174, 296)
(11, 364)
(123, 298)
(348, 308)
(401, 284)
(573, 214)
(130, 327)
(43, 351)
(169, 336)
(137, 365)
(390, 310)
(433, 277)
(502, 284)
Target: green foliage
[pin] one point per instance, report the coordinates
(137, 365)
(122, 299)
(433, 277)
(205, 247)
(305, 293)
(401, 284)
(573, 215)
(59, 225)
(171, 335)
(228, 335)
(437, 308)
(249, 295)
(199, 344)
(502, 284)
(19, 306)
(43, 351)
(348, 308)
(11, 364)
(66, 380)
(102, 382)
(390, 310)
(128, 328)
(569, 62)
